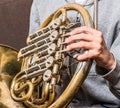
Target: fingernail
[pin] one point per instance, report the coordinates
(66, 40)
(75, 56)
(71, 33)
(67, 48)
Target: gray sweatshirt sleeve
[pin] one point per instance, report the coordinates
(34, 18)
(113, 77)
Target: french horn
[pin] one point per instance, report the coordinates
(44, 60)
(9, 67)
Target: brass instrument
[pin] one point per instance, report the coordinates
(44, 59)
(9, 67)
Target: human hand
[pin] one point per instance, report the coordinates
(92, 41)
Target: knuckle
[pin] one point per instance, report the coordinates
(98, 47)
(99, 33)
(100, 39)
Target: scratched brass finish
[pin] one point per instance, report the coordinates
(43, 62)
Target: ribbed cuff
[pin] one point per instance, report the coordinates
(112, 76)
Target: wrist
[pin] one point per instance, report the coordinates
(111, 62)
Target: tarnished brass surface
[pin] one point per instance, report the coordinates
(9, 67)
(43, 62)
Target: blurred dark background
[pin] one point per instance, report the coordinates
(14, 22)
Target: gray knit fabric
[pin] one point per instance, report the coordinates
(99, 90)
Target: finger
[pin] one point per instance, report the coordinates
(83, 29)
(82, 57)
(88, 54)
(81, 44)
(81, 36)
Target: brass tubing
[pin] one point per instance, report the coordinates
(55, 54)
